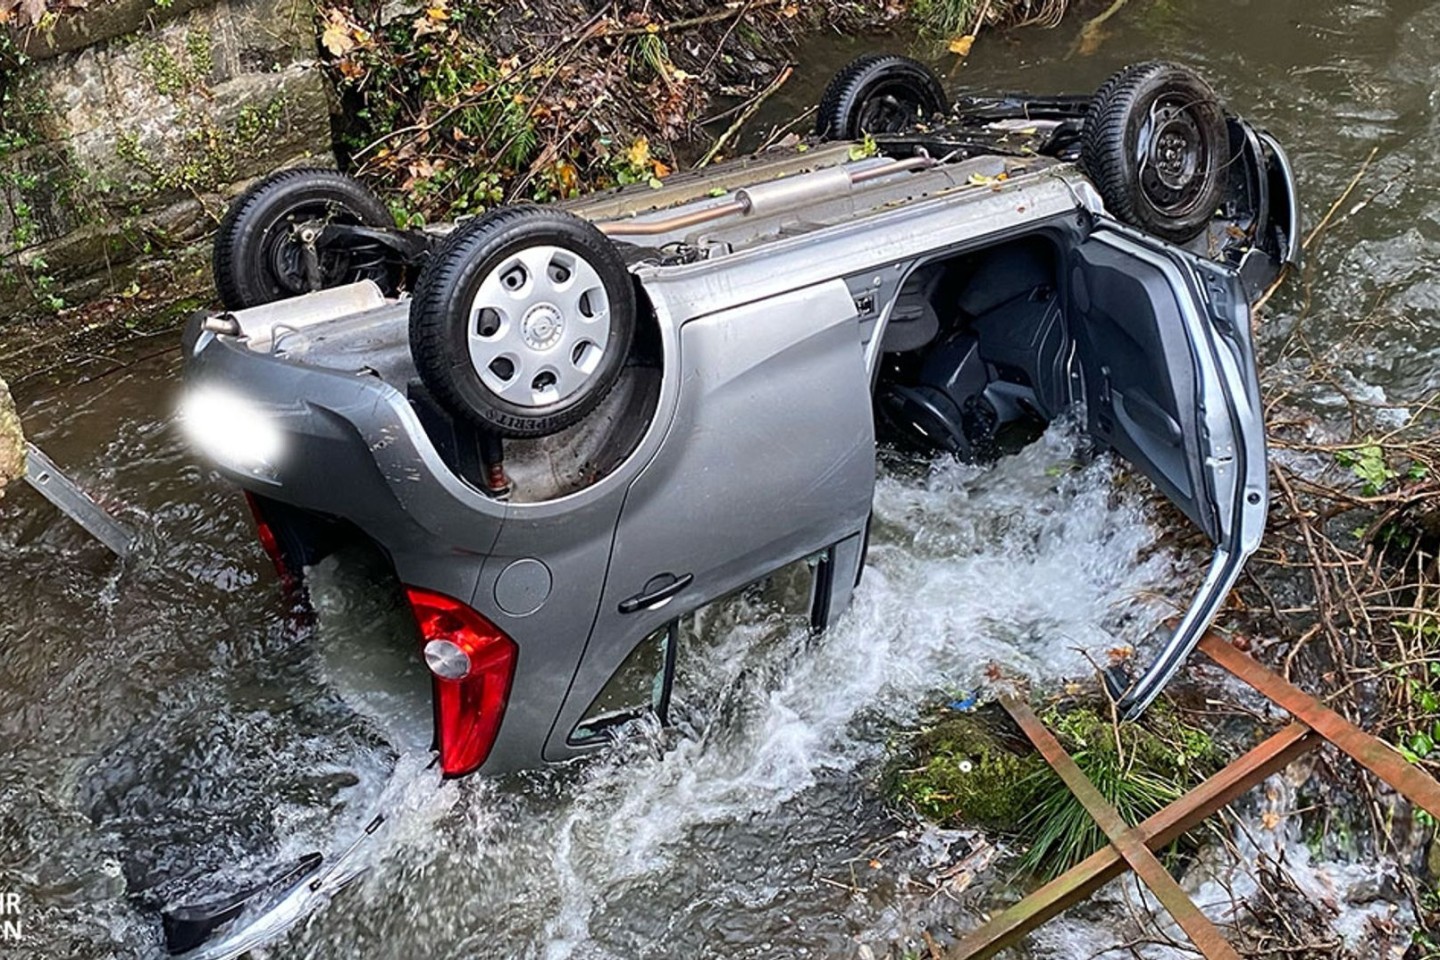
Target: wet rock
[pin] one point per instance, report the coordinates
(102, 22)
(966, 770)
(12, 441)
(35, 199)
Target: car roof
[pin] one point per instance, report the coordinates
(814, 209)
(895, 221)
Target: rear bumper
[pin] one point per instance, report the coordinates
(353, 448)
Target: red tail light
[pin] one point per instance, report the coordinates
(267, 540)
(479, 659)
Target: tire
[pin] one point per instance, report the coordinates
(1156, 146)
(498, 332)
(255, 254)
(879, 93)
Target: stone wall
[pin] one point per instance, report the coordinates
(145, 117)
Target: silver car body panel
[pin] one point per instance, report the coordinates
(768, 347)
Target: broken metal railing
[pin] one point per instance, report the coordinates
(1132, 848)
(52, 484)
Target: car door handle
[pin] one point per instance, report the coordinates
(653, 596)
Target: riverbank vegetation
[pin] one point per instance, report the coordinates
(1344, 595)
(977, 769)
(453, 106)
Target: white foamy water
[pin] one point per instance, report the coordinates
(710, 838)
(1355, 906)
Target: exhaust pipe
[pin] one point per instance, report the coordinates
(766, 198)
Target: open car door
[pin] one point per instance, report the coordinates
(1163, 342)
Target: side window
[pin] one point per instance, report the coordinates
(641, 685)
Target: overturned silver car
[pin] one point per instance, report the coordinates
(567, 427)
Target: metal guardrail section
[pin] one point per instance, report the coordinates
(52, 484)
(1131, 848)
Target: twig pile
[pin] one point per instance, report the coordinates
(1344, 594)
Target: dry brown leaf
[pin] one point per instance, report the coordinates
(568, 175)
(424, 26)
(336, 38)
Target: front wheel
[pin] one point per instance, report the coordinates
(1156, 146)
(522, 320)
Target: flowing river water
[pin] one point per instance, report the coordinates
(168, 724)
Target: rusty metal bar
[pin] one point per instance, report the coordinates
(1128, 842)
(1081, 881)
(651, 228)
(1370, 752)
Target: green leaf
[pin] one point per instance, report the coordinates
(1368, 464)
(865, 148)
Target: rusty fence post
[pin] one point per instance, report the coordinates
(1369, 751)
(1012, 925)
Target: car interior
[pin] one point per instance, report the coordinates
(976, 346)
(977, 357)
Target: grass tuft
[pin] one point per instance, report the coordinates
(976, 770)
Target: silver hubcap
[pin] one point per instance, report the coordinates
(539, 326)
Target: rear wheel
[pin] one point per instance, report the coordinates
(522, 320)
(1156, 146)
(879, 93)
(260, 253)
